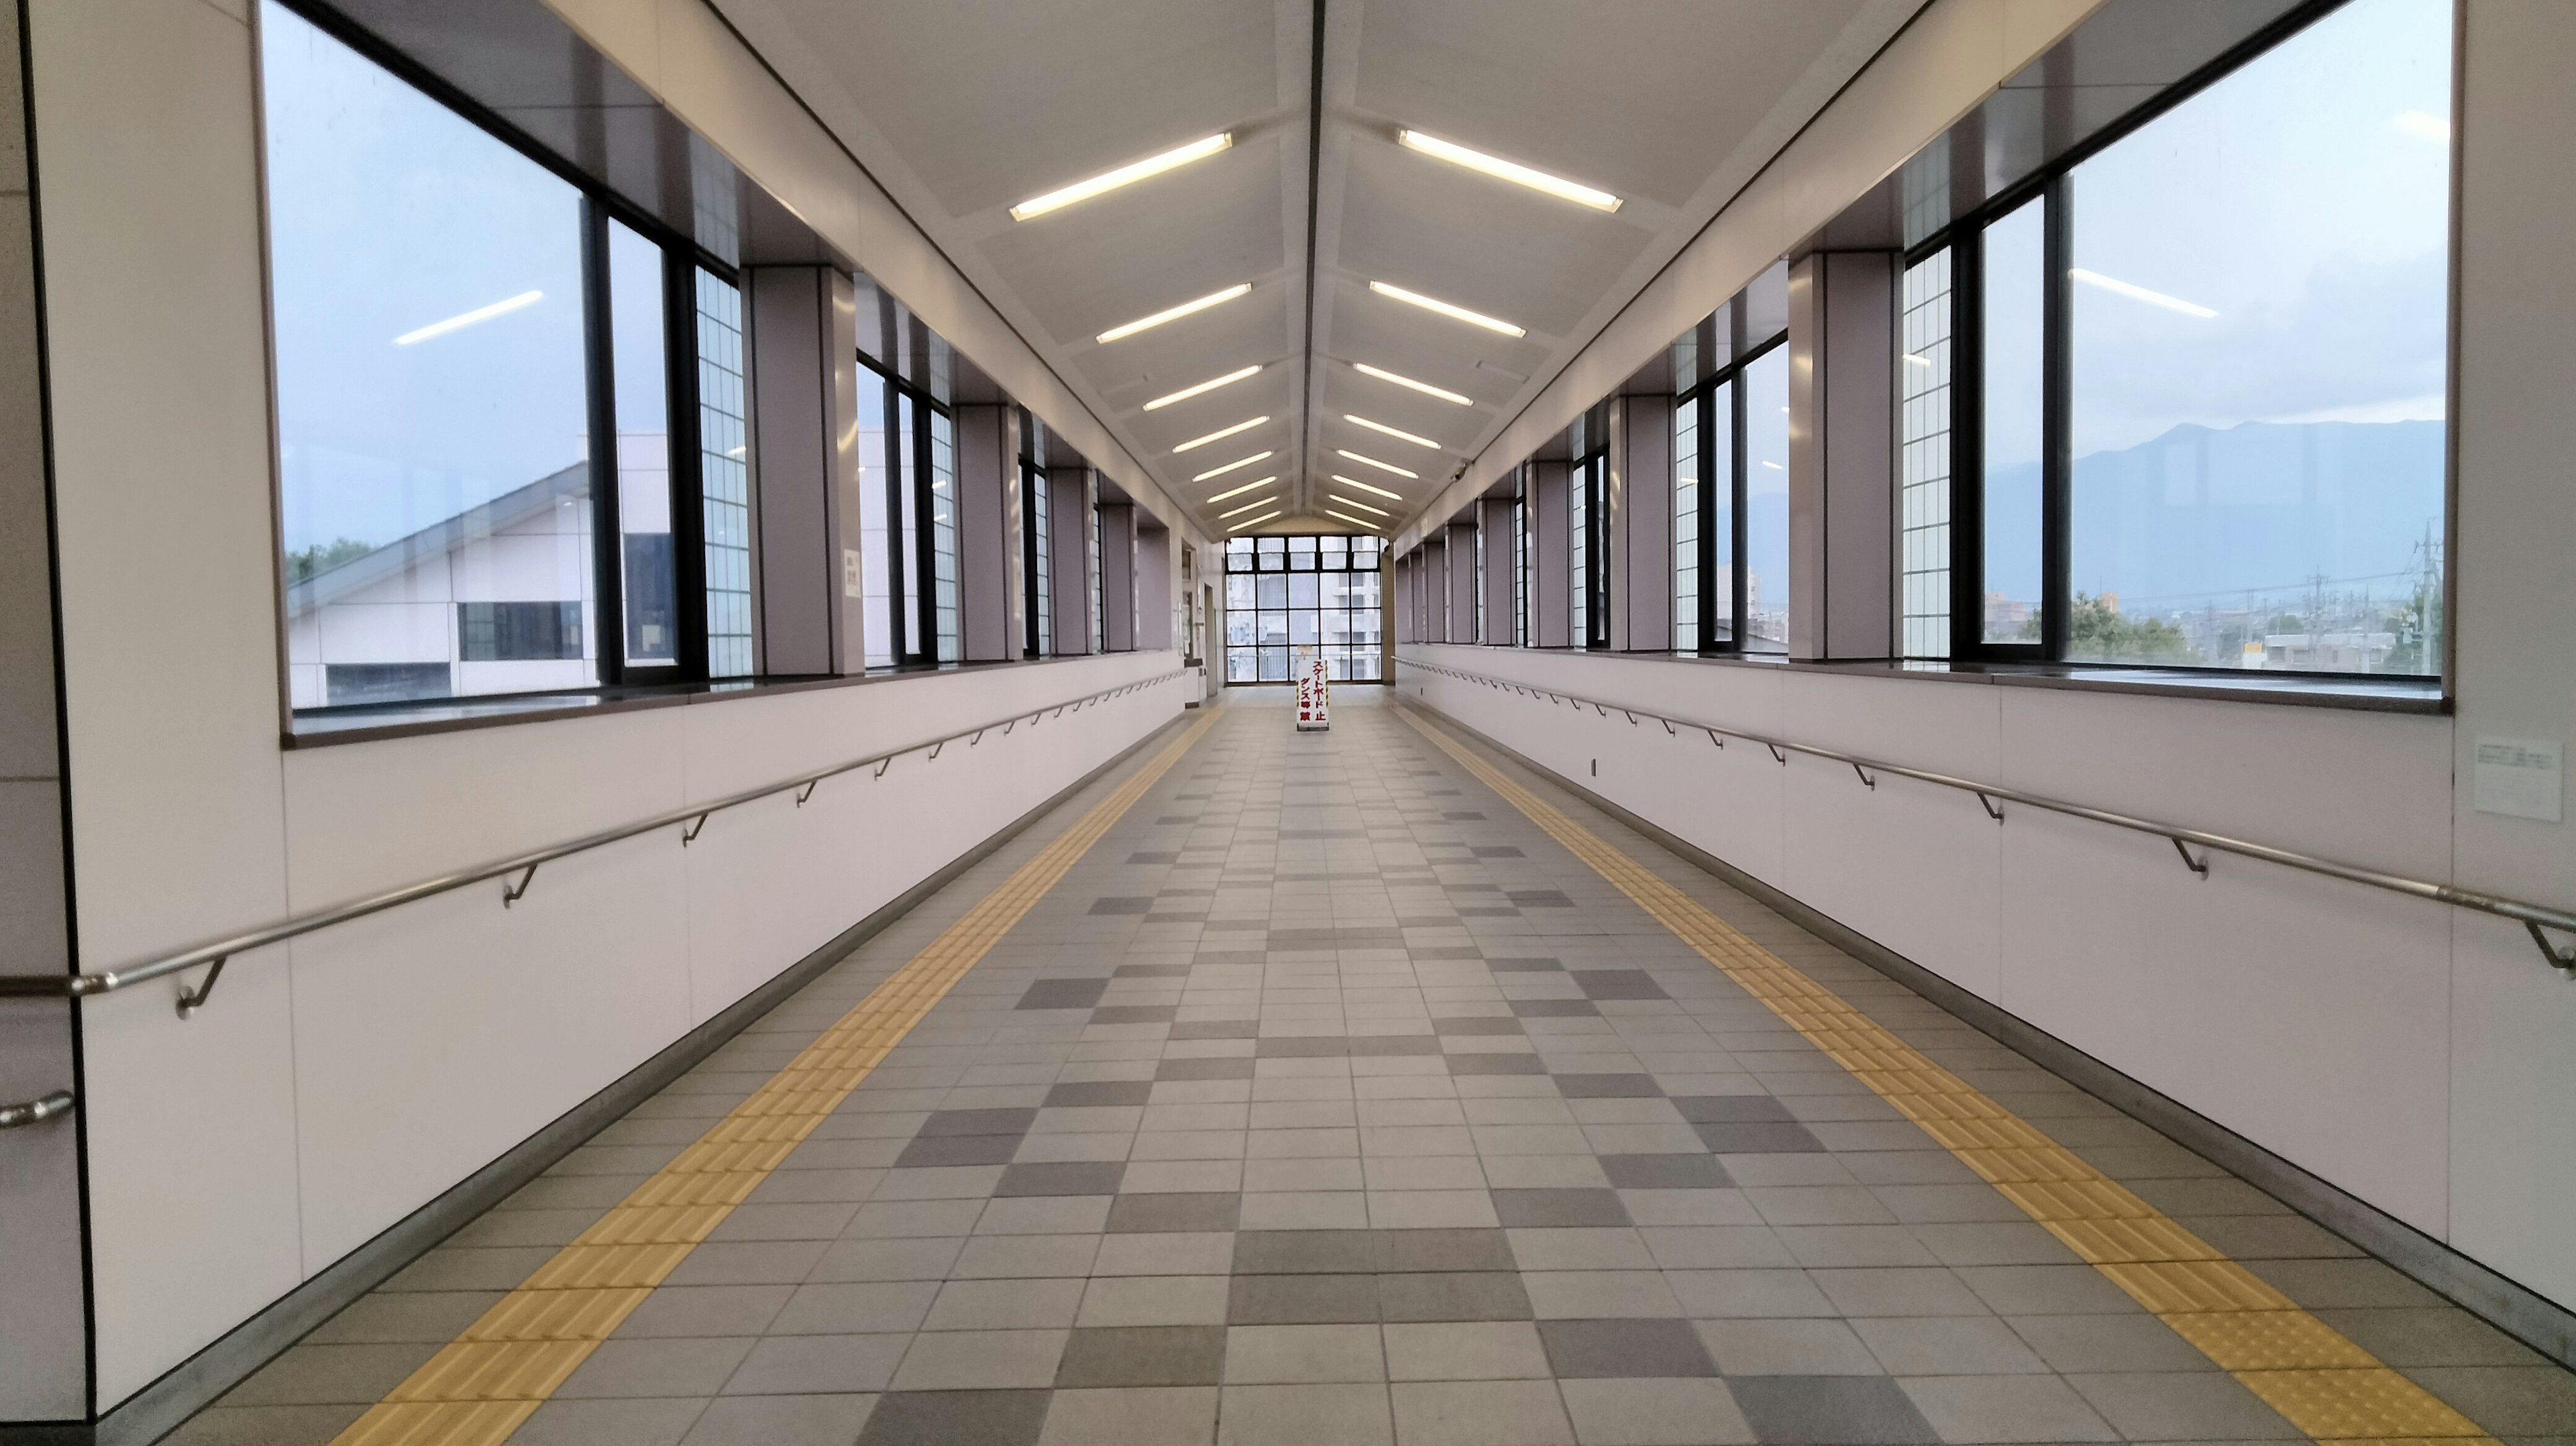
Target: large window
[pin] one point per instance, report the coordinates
(724, 476)
(1731, 456)
(1923, 459)
(1037, 562)
(907, 521)
(478, 476)
(1287, 598)
(2212, 369)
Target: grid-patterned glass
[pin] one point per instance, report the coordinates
(1578, 571)
(1286, 596)
(724, 477)
(1686, 526)
(1923, 392)
(943, 534)
(1041, 600)
(1520, 573)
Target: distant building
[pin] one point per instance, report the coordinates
(496, 599)
(2346, 652)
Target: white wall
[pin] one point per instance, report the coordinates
(337, 1083)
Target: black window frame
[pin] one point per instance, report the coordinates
(1703, 395)
(915, 619)
(1591, 472)
(1037, 603)
(2052, 187)
(681, 257)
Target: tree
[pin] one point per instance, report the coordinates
(306, 563)
(2096, 632)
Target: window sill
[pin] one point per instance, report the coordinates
(2329, 690)
(328, 727)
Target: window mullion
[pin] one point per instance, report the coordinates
(2057, 463)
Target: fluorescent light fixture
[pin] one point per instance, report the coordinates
(1774, 466)
(1391, 431)
(2139, 293)
(1373, 462)
(2423, 125)
(465, 319)
(1362, 506)
(1513, 171)
(1220, 434)
(1917, 361)
(1370, 488)
(1426, 388)
(1252, 521)
(1355, 522)
(1248, 506)
(737, 451)
(1211, 384)
(1230, 466)
(1148, 323)
(1246, 487)
(1454, 313)
(1123, 176)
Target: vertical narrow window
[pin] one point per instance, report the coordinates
(1722, 488)
(2013, 344)
(879, 454)
(1765, 380)
(1686, 509)
(1242, 657)
(1923, 487)
(1520, 572)
(1367, 600)
(1041, 586)
(1578, 559)
(724, 477)
(904, 507)
(943, 536)
(639, 367)
(2257, 354)
(433, 398)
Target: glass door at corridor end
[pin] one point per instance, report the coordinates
(1288, 597)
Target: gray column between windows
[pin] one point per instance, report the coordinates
(1400, 585)
(1462, 582)
(44, 1369)
(1494, 520)
(803, 353)
(1069, 552)
(990, 623)
(1842, 479)
(1551, 599)
(1117, 577)
(1153, 589)
(1641, 524)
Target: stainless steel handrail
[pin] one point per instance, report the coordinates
(524, 866)
(2534, 917)
(35, 1111)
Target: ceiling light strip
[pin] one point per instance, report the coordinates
(1454, 313)
(1057, 200)
(1254, 521)
(1220, 434)
(1369, 487)
(1148, 323)
(1246, 487)
(1513, 171)
(1211, 384)
(1426, 388)
(1368, 461)
(1355, 522)
(1415, 438)
(1230, 466)
(1247, 507)
(1362, 506)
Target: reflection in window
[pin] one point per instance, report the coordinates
(1686, 526)
(2258, 361)
(943, 535)
(638, 370)
(876, 480)
(724, 477)
(2014, 309)
(1040, 560)
(1578, 554)
(1766, 502)
(1923, 438)
(431, 383)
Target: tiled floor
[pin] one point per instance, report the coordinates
(1330, 1101)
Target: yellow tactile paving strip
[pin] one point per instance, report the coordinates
(479, 1388)
(2318, 1379)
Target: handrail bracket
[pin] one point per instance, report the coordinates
(1992, 812)
(1868, 782)
(192, 1000)
(2199, 865)
(513, 893)
(690, 834)
(2562, 960)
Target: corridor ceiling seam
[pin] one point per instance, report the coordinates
(693, 815)
(480, 1387)
(2534, 917)
(2317, 1378)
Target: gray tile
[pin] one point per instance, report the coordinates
(1068, 1177)
(1143, 1356)
(1279, 1354)
(1480, 1413)
(1304, 1415)
(1618, 984)
(1674, 1411)
(1221, 1067)
(957, 1418)
(1134, 1014)
(1847, 1410)
(1528, 1208)
(930, 1152)
(638, 1368)
(1301, 1299)
(809, 1365)
(1472, 1026)
(1495, 1063)
(1624, 1348)
(781, 1421)
(1175, 1212)
(1665, 1172)
(1732, 1109)
(1132, 1416)
(1555, 1008)
(641, 1422)
(2183, 1406)
(1304, 1252)
(1449, 1249)
(2011, 1408)
(1453, 1296)
(1100, 1092)
(1977, 1345)
(1065, 993)
(1758, 1139)
(1608, 1086)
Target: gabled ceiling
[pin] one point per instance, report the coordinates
(963, 108)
